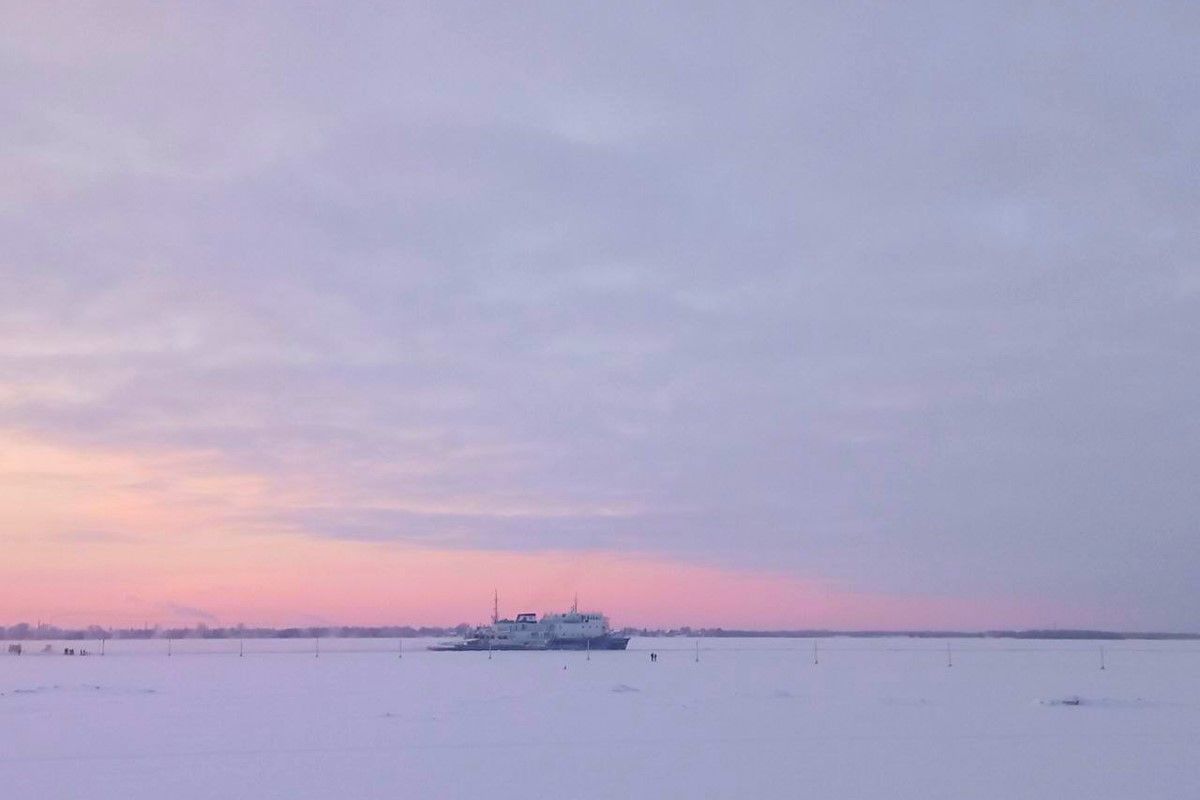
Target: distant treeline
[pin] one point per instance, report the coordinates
(1029, 634)
(26, 631)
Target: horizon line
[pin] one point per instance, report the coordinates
(270, 631)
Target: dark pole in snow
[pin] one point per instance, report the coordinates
(949, 658)
(168, 646)
(816, 658)
(1102, 657)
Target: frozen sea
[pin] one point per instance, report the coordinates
(753, 718)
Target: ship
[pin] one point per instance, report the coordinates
(569, 630)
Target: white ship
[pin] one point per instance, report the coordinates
(571, 630)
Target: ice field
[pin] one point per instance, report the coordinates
(876, 718)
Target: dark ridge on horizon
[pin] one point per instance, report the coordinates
(25, 631)
(1037, 633)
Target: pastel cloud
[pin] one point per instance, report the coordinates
(864, 306)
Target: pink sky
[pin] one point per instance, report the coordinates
(122, 537)
(281, 581)
(355, 323)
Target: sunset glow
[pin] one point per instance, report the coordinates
(125, 539)
(356, 314)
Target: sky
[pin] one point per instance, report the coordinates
(749, 315)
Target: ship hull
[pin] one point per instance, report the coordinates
(595, 643)
(477, 645)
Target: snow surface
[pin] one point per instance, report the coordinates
(755, 718)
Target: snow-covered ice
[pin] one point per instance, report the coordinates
(878, 718)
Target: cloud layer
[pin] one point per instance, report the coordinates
(903, 298)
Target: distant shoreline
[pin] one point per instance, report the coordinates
(27, 632)
(1015, 634)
